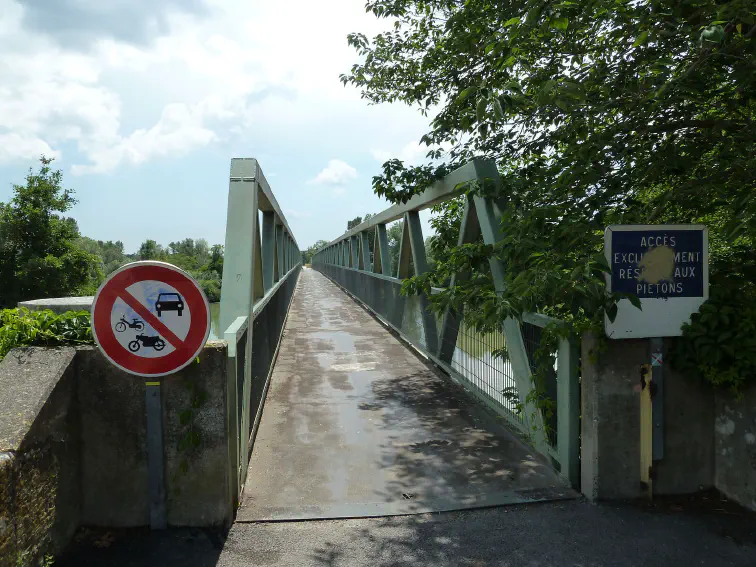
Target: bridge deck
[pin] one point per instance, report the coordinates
(355, 424)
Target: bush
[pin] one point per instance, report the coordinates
(21, 327)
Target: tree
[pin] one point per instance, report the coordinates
(354, 222)
(151, 250)
(394, 234)
(312, 250)
(111, 254)
(216, 258)
(39, 257)
(596, 113)
(201, 251)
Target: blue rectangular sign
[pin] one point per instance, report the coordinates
(658, 263)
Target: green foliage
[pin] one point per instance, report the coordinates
(596, 113)
(719, 343)
(21, 327)
(202, 262)
(111, 254)
(394, 235)
(150, 250)
(354, 222)
(312, 250)
(39, 255)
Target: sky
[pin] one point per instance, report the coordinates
(144, 103)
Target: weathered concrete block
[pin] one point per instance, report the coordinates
(688, 463)
(39, 456)
(114, 445)
(59, 304)
(113, 442)
(735, 434)
(28, 377)
(195, 441)
(610, 426)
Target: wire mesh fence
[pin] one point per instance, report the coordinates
(478, 359)
(476, 356)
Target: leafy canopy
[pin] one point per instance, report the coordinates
(39, 254)
(596, 112)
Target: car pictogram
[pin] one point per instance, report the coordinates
(169, 302)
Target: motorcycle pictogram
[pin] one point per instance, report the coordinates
(155, 342)
(123, 323)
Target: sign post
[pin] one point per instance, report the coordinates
(667, 268)
(151, 319)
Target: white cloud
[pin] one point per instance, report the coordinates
(412, 153)
(337, 172)
(122, 94)
(15, 147)
(179, 130)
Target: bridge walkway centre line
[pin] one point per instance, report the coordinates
(356, 425)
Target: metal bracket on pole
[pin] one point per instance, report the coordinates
(155, 462)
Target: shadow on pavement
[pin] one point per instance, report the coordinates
(177, 547)
(700, 530)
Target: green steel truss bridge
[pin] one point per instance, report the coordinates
(372, 404)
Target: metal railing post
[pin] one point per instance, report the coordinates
(268, 249)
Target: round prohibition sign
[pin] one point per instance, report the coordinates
(150, 318)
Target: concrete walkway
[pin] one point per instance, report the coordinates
(355, 425)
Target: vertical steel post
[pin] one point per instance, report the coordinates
(383, 254)
(420, 261)
(279, 251)
(259, 286)
(518, 356)
(568, 411)
(239, 255)
(353, 248)
(468, 232)
(268, 249)
(155, 462)
(365, 245)
(656, 347)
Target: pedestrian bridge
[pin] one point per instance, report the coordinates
(331, 395)
(352, 400)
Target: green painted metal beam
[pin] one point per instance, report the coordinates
(469, 232)
(365, 252)
(238, 261)
(490, 226)
(269, 249)
(382, 254)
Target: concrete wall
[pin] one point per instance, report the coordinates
(39, 454)
(59, 304)
(114, 440)
(610, 425)
(735, 436)
(73, 446)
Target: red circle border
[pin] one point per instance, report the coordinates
(194, 298)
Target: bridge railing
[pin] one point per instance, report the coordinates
(361, 265)
(261, 267)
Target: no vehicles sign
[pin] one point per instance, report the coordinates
(666, 266)
(150, 319)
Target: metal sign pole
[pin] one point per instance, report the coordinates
(155, 463)
(656, 346)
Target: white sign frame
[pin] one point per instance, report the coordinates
(659, 317)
